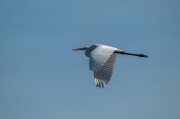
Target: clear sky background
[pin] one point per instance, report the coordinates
(42, 78)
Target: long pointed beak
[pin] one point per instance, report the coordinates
(78, 49)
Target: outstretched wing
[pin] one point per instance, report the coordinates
(103, 76)
(99, 56)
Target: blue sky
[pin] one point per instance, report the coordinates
(42, 78)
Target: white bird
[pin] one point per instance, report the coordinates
(101, 61)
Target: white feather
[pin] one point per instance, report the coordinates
(99, 55)
(103, 76)
(101, 61)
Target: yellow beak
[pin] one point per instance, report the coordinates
(78, 49)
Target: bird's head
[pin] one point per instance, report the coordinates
(84, 48)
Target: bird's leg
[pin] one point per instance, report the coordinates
(119, 51)
(139, 55)
(122, 52)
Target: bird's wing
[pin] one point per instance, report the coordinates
(103, 76)
(99, 56)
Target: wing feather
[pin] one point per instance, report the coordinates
(103, 76)
(99, 56)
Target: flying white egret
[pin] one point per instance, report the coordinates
(101, 61)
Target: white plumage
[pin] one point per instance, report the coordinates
(101, 61)
(103, 76)
(99, 55)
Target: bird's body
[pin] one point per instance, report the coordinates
(101, 61)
